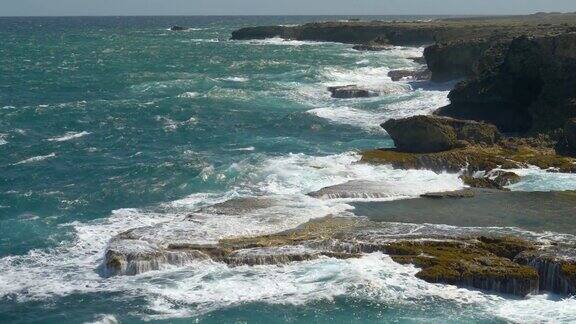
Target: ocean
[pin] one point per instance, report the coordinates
(113, 123)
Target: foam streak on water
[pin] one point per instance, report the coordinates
(68, 136)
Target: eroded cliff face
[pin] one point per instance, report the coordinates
(526, 86)
(416, 32)
(347, 32)
(450, 61)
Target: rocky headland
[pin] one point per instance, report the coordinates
(514, 107)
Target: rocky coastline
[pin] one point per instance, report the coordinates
(514, 107)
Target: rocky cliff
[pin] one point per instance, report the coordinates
(454, 60)
(415, 32)
(528, 85)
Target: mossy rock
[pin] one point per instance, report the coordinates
(504, 178)
(426, 133)
(474, 158)
(569, 270)
(421, 134)
(482, 182)
(318, 229)
(482, 263)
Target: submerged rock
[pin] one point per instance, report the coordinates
(351, 91)
(355, 189)
(481, 182)
(371, 48)
(238, 206)
(465, 193)
(421, 134)
(377, 45)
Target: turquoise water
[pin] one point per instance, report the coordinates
(107, 124)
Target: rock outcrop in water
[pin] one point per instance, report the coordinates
(376, 45)
(446, 144)
(351, 91)
(424, 134)
(473, 158)
(410, 75)
(482, 263)
(178, 28)
(493, 263)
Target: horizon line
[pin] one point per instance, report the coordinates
(283, 15)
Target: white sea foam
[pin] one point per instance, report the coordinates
(188, 95)
(70, 268)
(351, 116)
(249, 149)
(200, 40)
(405, 52)
(370, 77)
(188, 29)
(161, 87)
(172, 125)
(282, 42)
(420, 102)
(374, 276)
(536, 179)
(204, 286)
(301, 174)
(236, 79)
(105, 319)
(362, 62)
(416, 103)
(394, 53)
(68, 136)
(36, 159)
(3, 140)
(538, 309)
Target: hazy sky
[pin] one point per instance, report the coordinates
(278, 7)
